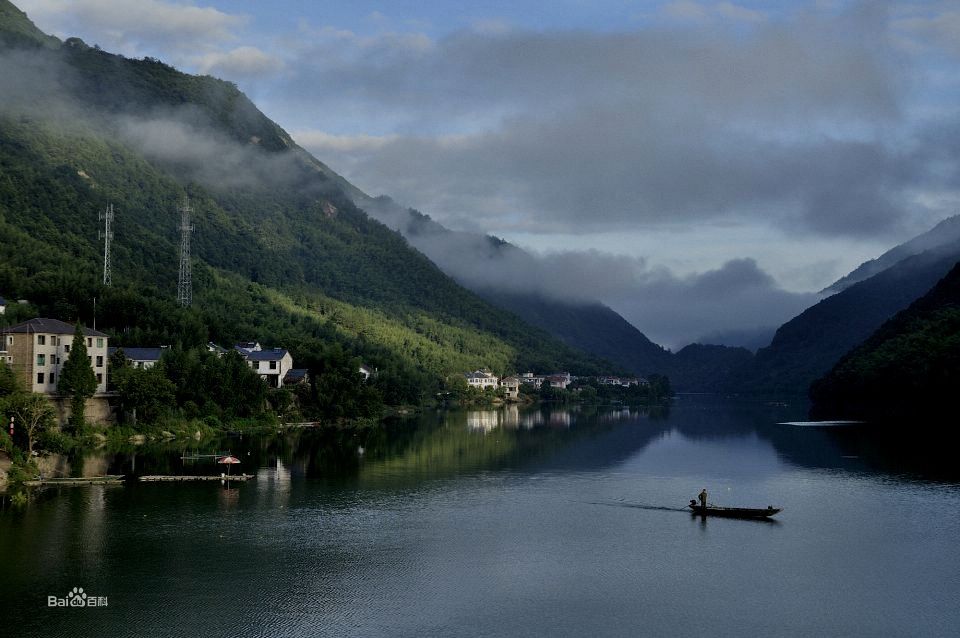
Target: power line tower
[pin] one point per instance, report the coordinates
(107, 236)
(185, 281)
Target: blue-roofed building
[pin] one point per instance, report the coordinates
(295, 376)
(272, 364)
(141, 357)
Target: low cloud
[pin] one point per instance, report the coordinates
(136, 28)
(237, 63)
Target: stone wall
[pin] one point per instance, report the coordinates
(98, 410)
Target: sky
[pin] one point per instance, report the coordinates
(740, 150)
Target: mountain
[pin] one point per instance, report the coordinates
(909, 367)
(945, 233)
(281, 252)
(708, 368)
(808, 345)
(591, 327)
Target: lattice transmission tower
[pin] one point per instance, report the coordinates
(185, 280)
(107, 236)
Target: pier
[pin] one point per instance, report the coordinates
(177, 477)
(112, 479)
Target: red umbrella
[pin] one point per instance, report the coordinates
(228, 461)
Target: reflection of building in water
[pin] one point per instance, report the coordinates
(615, 415)
(561, 419)
(273, 483)
(532, 419)
(485, 420)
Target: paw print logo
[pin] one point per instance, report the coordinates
(77, 597)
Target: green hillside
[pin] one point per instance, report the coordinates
(280, 253)
(909, 367)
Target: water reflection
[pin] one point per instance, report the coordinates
(444, 443)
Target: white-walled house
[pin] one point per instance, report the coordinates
(271, 364)
(511, 386)
(37, 349)
(3, 306)
(481, 379)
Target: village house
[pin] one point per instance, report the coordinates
(271, 364)
(530, 378)
(366, 372)
(37, 349)
(144, 358)
(3, 306)
(481, 379)
(511, 387)
(295, 376)
(560, 381)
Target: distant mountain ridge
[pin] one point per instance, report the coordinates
(944, 233)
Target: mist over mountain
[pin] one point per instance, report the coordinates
(736, 298)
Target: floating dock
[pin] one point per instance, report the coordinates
(177, 477)
(112, 479)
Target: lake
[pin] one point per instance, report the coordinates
(510, 522)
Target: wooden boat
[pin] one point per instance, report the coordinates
(734, 512)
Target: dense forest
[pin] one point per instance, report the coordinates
(281, 254)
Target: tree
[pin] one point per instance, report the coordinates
(9, 384)
(77, 379)
(32, 415)
(146, 394)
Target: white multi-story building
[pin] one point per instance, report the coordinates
(272, 364)
(38, 348)
(481, 379)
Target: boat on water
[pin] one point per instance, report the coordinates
(734, 512)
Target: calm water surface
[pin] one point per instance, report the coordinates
(505, 523)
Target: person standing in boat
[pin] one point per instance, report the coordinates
(703, 498)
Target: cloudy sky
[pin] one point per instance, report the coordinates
(767, 145)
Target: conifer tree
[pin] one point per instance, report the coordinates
(77, 379)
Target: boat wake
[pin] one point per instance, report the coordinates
(639, 506)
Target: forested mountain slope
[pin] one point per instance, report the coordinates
(281, 253)
(909, 367)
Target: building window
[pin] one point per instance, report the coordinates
(9, 341)
(256, 365)
(54, 340)
(99, 362)
(99, 342)
(66, 348)
(89, 342)
(273, 365)
(41, 340)
(53, 378)
(99, 378)
(41, 359)
(40, 378)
